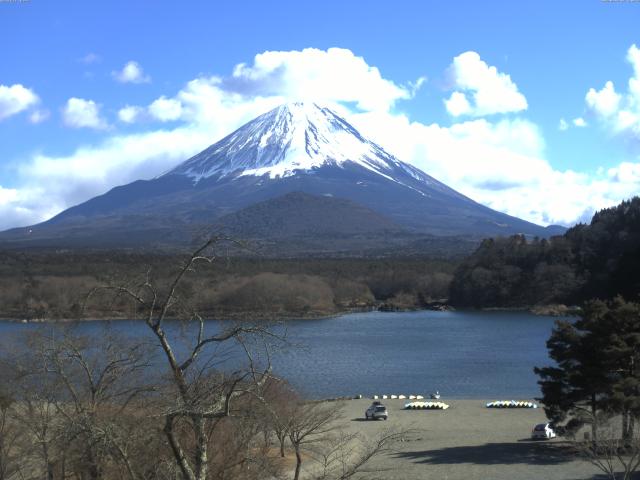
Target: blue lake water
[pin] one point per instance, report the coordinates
(461, 354)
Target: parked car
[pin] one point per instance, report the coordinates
(542, 431)
(376, 411)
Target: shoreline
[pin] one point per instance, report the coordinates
(485, 399)
(551, 310)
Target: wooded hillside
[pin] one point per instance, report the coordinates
(599, 260)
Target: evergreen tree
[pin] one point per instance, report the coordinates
(597, 367)
(573, 390)
(620, 330)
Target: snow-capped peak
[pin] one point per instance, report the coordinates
(294, 137)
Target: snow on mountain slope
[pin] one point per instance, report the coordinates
(295, 138)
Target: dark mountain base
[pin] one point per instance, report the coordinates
(293, 225)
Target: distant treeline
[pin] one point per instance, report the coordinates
(54, 285)
(599, 260)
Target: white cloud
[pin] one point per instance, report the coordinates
(90, 58)
(131, 73)
(579, 122)
(498, 162)
(162, 109)
(81, 113)
(491, 91)
(7, 195)
(633, 57)
(166, 109)
(457, 104)
(563, 125)
(625, 173)
(604, 102)
(119, 159)
(417, 85)
(13, 209)
(619, 112)
(15, 99)
(130, 114)
(39, 116)
(335, 74)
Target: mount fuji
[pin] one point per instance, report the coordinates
(297, 173)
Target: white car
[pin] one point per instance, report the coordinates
(376, 411)
(542, 431)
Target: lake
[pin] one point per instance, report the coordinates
(461, 354)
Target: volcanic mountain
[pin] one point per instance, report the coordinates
(298, 171)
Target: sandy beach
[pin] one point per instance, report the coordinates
(467, 441)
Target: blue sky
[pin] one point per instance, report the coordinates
(523, 134)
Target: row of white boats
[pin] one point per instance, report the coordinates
(495, 404)
(511, 404)
(419, 404)
(426, 406)
(398, 397)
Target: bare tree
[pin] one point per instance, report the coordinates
(94, 391)
(310, 424)
(613, 453)
(239, 452)
(201, 392)
(343, 455)
(279, 403)
(40, 423)
(314, 431)
(10, 438)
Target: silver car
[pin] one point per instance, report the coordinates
(376, 411)
(542, 431)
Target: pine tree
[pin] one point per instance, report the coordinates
(573, 390)
(597, 367)
(621, 329)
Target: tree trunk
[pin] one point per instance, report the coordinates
(625, 426)
(178, 453)
(47, 460)
(296, 475)
(628, 425)
(594, 422)
(202, 462)
(93, 468)
(63, 466)
(281, 439)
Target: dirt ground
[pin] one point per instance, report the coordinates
(468, 441)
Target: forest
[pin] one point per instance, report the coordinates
(598, 260)
(53, 285)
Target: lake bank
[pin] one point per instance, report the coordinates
(558, 310)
